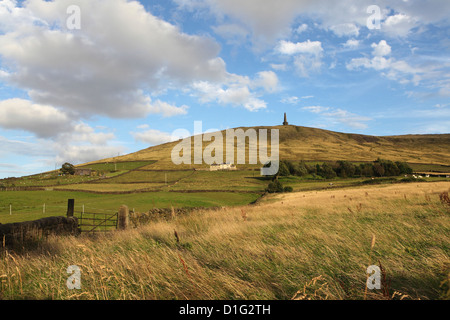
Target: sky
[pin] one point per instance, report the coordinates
(83, 80)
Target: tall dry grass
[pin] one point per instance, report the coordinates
(300, 245)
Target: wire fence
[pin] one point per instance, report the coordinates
(44, 208)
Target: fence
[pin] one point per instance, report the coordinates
(90, 222)
(86, 222)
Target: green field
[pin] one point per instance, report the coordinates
(29, 205)
(145, 189)
(117, 166)
(150, 176)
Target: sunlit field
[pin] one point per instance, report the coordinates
(306, 245)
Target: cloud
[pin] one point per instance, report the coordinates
(236, 91)
(279, 66)
(399, 25)
(290, 100)
(429, 74)
(273, 20)
(267, 80)
(84, 144)
(316, 109)
(266, 21)
(350, 119)
(301, 28)
(339, 116)
(290, 48)
(351, 44)
(167, 110)
(18, 147)
(110, 66)
(345, 30)
(232, 32)
(152, 136)
(307, 55)
(42, 120)
(381, 49)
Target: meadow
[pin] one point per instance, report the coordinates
(313, 243)
(305, 245)
(29, 205)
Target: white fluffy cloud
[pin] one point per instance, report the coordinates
(291, 48)
(267, 80)
(152, 136)
(237, 90)
(351, 44)
(398, 70)
(345, 30)
(399, 25)
(84, 144)
(42, 120)
(167, 110)
(339, 116)
(271, 20)
(307, 55)
(381, 49)
(110, 66)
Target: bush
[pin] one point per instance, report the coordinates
(412, 179)
(288, 189)
(379, 181)
(67, 168)
(275, 187)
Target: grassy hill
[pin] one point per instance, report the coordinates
(309, 144)
(314, 243)
(149, 178)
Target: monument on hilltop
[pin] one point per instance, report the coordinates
(285, 123)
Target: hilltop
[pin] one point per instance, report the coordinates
(312, 144)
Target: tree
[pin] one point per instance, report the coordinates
(404, 168)
(68, 168)
(326, 171)
(300, 169)
(345, 169)
(378, 169)
(284, 169)
(390, 168)
(275, 187)
(367, 169)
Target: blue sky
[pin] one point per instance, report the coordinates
(112, 77)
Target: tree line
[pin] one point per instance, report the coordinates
(344, 169)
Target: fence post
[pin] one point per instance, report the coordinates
(70, 207)
(124, 217)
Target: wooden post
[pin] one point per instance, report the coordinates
(124, 217)
(70, 207)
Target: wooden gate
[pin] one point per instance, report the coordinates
(97, 222)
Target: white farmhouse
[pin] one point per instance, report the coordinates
(222, 167)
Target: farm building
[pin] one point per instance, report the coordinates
(222, 166)
(83, 172)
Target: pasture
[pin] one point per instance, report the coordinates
(307, 245)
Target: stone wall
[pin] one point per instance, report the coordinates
(24, 232)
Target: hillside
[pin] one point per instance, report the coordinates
(311, 144)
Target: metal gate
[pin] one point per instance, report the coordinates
(98, 222)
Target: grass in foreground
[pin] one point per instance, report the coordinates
(311, 245)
